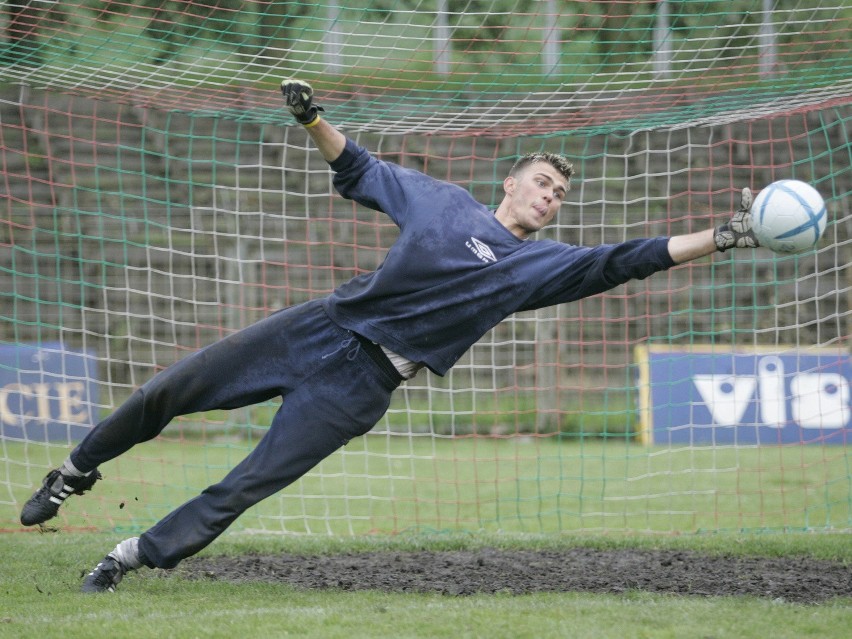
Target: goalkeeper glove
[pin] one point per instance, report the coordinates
(299, 97)
(738, 232)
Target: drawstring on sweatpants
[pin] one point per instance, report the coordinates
(352, 353)
(372, 349)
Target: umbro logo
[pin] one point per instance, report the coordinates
(481, 250)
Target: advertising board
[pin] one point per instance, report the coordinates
(48, 392)
(720, 395)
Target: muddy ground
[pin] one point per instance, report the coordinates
(791, 579)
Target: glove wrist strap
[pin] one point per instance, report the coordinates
(313, 122)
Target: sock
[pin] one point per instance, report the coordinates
(127, 553)
(70, 470)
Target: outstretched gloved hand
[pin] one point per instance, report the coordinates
(737, 233)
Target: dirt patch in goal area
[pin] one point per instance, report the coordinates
(790, 579)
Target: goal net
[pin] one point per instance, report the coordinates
(156, 197)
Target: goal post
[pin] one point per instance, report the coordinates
(156, 197)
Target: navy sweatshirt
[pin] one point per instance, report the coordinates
(455, 271)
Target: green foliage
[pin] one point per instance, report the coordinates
(479, 24)
(172, 24)
(498, 41)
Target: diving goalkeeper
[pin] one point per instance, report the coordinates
(456, 270)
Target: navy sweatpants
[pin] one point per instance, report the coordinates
(332, 391)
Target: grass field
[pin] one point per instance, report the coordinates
(539, 485)
(501, 493)
(40, 577)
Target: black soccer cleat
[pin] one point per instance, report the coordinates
(105, 577)
(55, 489)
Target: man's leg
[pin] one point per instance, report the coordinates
(339, 402)
(252, 365)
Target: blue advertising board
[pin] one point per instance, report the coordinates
(48, 392)
(704, 395)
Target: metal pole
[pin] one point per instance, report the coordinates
(550, 49)
(662, 41)
(333, 40)
(442, 39)
(767, 53)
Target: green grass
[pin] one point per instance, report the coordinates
(441, 494)
(525, 485)
(40, 578)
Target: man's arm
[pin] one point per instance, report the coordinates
(328, 139)
(684, 248)
(299, 97)
(734, 234)
(390, 188)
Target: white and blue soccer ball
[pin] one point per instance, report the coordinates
(788, 216)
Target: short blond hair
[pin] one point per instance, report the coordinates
(557, 161)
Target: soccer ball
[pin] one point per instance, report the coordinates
(788, 216)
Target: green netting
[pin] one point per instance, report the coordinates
(155, 197)
(446, 65)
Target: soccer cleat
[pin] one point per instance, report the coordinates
(105, 577)
(55, 489)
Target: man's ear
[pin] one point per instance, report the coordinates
(509, 185)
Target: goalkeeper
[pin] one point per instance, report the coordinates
(456, 270)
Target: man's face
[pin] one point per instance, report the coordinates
(535, 195)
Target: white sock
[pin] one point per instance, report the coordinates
(127, 553)
(70, 470)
